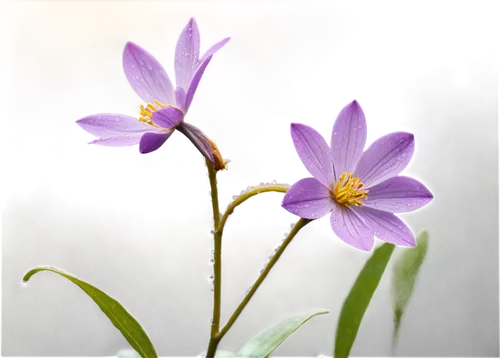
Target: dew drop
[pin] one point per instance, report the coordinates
(277, 248)
(261, 271)
(212, 262)
(242, 192)
(261, 184)
(235, 197)
(286, 234)
(24, 283)
(247, 291)
(211, 279)
(212, 232)
(212, 251)
(209, 193)
(274, 182)
(292, 225)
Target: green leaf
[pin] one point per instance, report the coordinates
(405, 272)
(128, 353)
(269, 339)
(128, 326)
(220, 354)
(358, 299)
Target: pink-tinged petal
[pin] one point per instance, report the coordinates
(146, 76)
(314, 153)
(398, 195)
(152, 141)
(180, 98)
(348, 138)
(385, 158)
(351, 228)
(112, 124)
(187, 53)
(308, 198)
(386, 226)
(168, 117)
(198, 138)
(194, 83)
(212, 50)
(119, 141)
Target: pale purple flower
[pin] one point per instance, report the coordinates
(360, 188)
(165, 107)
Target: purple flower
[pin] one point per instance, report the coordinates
(360, 188)
(164, 107)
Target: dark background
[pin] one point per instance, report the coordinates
(455, 310)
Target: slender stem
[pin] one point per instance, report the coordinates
(215, 336)
(299, 225)
(214, 340)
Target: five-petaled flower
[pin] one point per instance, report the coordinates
(360, 188)
(164, 107)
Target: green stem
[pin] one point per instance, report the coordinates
(299, 225)
(214, 340)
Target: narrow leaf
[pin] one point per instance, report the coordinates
(128, 326)
(403, 279)
(127, 353)
(220, 354)
(269, 339)
(358, 299)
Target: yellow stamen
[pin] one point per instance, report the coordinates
(147, 111)
(347, 191)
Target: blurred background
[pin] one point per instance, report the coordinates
(160, 272)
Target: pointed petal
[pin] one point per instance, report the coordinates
(308, 198)
(194, 83)
(168, 117)
(351, 228)
(398, 195)
(212, 50)
(348, 138)
(385, 158)
(180, 98)
(152, 141)
(314, 153)
(187, 53)
(386, 226)
(198, 138)
(146, 76)
(112, 124)
(119, 141)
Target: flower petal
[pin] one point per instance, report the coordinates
(168, 117)
(180, 98)
(187, 53)
(212, 50)
(194, 83)
(146, 76)
(348, 138)
(119, 141)
(386, 226)
(314, 153)
(308, 198)
(152, 141)
(112, 124)
(398, 195)
(385, 158)
(351, 228)
(198, 138)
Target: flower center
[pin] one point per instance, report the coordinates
(347, 191)
(147, 111)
